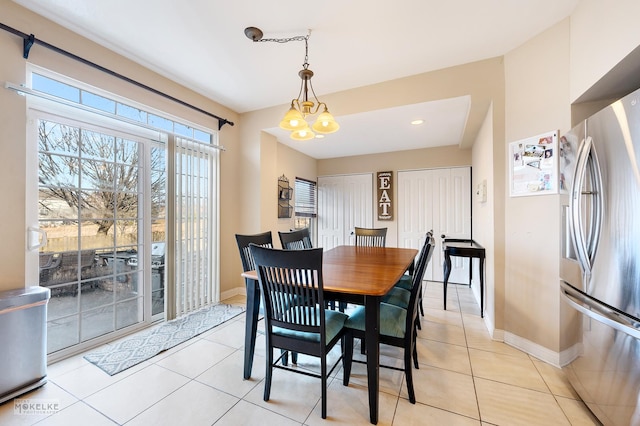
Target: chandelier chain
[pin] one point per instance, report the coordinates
(305, 65)
(285, 40)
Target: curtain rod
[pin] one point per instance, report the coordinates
(30, 40)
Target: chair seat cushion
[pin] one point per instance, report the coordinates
(405, 282)
(398, 297)
(392, 320)
(333, 320)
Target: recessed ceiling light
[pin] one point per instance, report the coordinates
(318, 136)
(416, 122)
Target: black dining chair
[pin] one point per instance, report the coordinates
(295, 316)
(397, 327)
(252, 289)
(399, 295)
(371, 237)
(300, 239)
(264, 239)
(296, 240)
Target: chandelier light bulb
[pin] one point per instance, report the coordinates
(325, 123)
(293, 120)
(303, 134)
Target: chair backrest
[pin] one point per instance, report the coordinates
(264, 239)
(371, 237)
(291, 286)
(416, 282)
(296, 240)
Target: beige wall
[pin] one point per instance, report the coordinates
(483, 218)
(18, 266)
(602, 33)
(537, 101)
(13, 171)
(429, 158)
(292, 164)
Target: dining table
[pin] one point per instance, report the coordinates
(351, 274)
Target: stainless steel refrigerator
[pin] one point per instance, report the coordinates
(600, 265)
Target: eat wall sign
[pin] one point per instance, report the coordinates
(385, 195)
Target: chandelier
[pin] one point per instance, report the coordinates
(295, 120)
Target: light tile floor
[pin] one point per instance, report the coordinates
(465, 378)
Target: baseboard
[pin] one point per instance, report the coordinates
(228, 294)
(544, 354)
(568, 355)
(496, 334)
(533, 349)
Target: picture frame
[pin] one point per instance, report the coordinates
(533, 165)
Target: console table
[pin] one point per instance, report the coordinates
(463, 248)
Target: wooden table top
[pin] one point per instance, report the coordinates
(367, 271)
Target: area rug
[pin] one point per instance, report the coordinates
(116, 357)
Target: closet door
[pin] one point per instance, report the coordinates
(343, 202)
(330, 212)
(358, 204)
(415, 215)
(438, 200)
(452, 217)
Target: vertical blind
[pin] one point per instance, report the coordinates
(195, 210)
(305, 198)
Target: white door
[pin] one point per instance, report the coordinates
(358, 203)
(330, 212)
(344, 202)
(415, 210)
(438, 200)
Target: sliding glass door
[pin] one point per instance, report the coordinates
(95, 188)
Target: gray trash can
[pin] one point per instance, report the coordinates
(23, 337)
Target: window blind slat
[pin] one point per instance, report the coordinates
(305, 198)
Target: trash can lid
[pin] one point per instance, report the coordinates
(23, 296)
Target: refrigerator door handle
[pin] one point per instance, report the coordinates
(586, 245)
(598, 311)
(575, 218)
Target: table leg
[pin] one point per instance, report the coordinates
(447, 272)
(481, 270)
(251, 324)
(372, 327)
(470, 271)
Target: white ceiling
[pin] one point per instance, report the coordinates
(201, 44)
